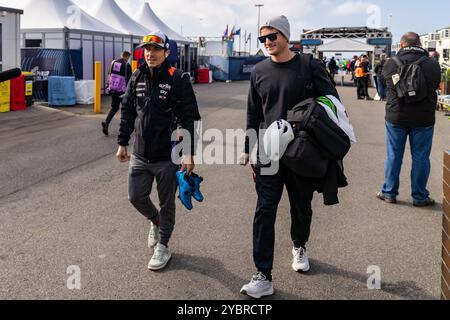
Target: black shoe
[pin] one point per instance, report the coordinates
(381, 196)
(105, 128)
(360, 98)
(369, 99)
(427, 203)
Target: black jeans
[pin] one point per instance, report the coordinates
(363, 87)
(270, 191)
(115, 106)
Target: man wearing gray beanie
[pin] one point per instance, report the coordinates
(278, 84)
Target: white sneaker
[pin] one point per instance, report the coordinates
(301, 261)
(153, 236)
(259, 287)
(160, 258)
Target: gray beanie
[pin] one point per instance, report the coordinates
(281, 23)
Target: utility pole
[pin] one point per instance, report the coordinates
(259, 6)
(390, 21)
(245, 42)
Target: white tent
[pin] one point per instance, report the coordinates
(109, 12)
(58, 14)
(61, 24)
(345, 45)
(187, 49)
(147, 17)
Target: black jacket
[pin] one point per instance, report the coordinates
(421, 114)
(275, 88)
(150, 108)
(379, 68)
(332, 66)
(322, 147)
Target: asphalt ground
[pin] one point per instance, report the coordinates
(63, 203)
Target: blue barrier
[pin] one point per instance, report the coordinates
(61, 91)
(234, 68)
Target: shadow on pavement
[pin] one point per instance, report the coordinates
(403, 289)
(438, 207)
(215, 269)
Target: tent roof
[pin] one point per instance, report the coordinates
(109, 12)
(147, 17)
(346, 45)
(57, 14)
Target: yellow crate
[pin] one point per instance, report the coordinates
(5, 96)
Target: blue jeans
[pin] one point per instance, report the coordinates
(381, 88)
(421, 142)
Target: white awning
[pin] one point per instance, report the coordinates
(346, 45)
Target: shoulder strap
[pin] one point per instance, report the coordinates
(111, 68)
(172, 71)
(176, 75)
(307, 73)
(306, 61)
(420, 61)
(398, 62)
(177, 88)
(175, 92)
(135, 77)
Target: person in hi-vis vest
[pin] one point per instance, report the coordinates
(119, 75)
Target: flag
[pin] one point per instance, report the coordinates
(232, 32)
(225, 34)
(237, 32)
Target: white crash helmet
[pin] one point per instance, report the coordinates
(277, 139)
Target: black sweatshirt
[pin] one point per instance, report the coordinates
(278, 87)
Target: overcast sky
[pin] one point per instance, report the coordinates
(210, 17)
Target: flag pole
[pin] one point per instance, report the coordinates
(240, 37)
(245, 42)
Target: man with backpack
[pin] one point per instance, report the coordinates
(277, 85)
(381, 83)
(412, 79)
(333, 67)
(119, 76)
(158, 100)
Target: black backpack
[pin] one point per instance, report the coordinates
(412, 86)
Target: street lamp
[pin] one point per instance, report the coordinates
(259, 6)
(390, 21)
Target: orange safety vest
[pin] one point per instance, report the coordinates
(359, 72)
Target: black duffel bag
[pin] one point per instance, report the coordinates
(318, 141)
(303, 156)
